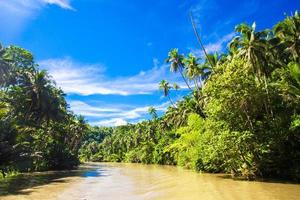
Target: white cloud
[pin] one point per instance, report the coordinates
(30, 5)
(85, 109)
(155, 62)
(202, 11)
(113, 115)
(110, 122)
(213, 21)
(65, 4)
(86, 79)
(15, 14)
(217, 46)
(113, 111)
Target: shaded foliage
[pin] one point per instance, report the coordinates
(37, 131)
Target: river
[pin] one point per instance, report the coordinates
(118, 181)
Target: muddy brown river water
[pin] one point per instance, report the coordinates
(115, 181)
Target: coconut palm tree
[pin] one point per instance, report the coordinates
(176, 86)
(253, 47)
(36, 99)
(208, 67)
(177, 64)
(165, 87)
(287, 34)
(46, 101)
(77, 127)
(152, 112)
(177, 116)
(193, 70)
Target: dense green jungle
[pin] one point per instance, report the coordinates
(241, 115)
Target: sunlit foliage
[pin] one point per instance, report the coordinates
(242, 115)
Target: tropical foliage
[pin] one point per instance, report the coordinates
(242, 115)
(37, 131)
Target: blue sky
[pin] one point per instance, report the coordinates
(108, 56)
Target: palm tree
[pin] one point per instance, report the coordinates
(45, 101)
(208, 67)
(288, 34)
(253, 47)
(152, 112)
(178, 116)
(37, 98)
(165, 87)
(193, 70)
(176, 61)
(77, 128)
(176, 86)
(213, 59)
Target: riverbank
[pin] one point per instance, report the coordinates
(110, 181)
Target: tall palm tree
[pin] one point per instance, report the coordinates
(38, 99)
(208, 67)
(177, 64)
(288, 34)
(198, 73)
(165, 87)
(178, 116)
(77, 127)
(253, 47)
(152, 111)
(47, 101)
(193, 69)
(176, 86)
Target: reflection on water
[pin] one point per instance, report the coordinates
(93, 173)
(138, 182)
(17, 185)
